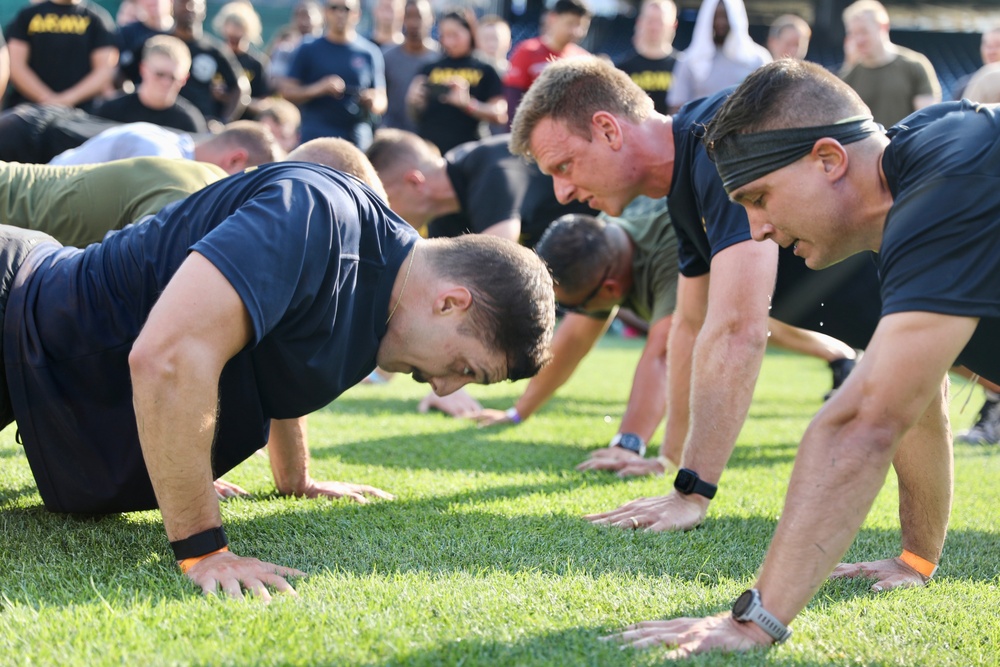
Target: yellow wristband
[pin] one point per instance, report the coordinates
(188, 563)
(921, 565)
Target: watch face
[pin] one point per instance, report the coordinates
(685, 481)
(631, 443)
(742, 604)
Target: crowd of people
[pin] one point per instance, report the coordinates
(197, 228)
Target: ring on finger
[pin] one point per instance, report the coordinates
(635, 522)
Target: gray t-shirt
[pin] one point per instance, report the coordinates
(400, 68)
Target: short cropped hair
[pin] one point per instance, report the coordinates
(341, 155)
(242, 14)
(513, 305)
(873, 7)
(571, 91)
(786, 21)
(171, 47)
(255, 138)
(576, 250)
(280, 110)
(394, 152)
(784, 94)
(574, 7)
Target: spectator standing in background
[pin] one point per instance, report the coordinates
(154, 17)
(721, 54)
(387, 24)
(217, 85)
(653, 58)
(4, 64)
(989, 51)
(239, 25)
(165, 66)
(306, 25)
(493, 41)
(338, 80)
(565, 26)
(62, 52)
(788, 37)
(454, 97)
(893, 81)
(404, 61)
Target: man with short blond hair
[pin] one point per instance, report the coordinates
(892, 80)
(165, 67)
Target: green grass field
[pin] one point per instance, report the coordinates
(483, 559)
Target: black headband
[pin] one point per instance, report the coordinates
(742, 158)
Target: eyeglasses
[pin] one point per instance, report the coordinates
(338, 8)
(581, 308)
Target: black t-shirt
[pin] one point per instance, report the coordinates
(311, 252)
(653, 76)
(841, 301)
(493, 186)
(61, 39)
(35, 133)
(941, 246)
(133, 38)
(211, 62)
(445, 125)
(255, 70)
(182, 115)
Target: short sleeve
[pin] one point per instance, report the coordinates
(103, 31)
(517, 76)
(275, 250)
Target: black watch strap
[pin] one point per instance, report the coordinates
(200, 544)
(688, 482)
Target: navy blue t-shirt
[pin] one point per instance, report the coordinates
(311, 252)
(841, 301)
(360, 65)
(941, 245)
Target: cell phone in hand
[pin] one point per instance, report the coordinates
(437, 90)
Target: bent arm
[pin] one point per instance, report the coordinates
(845, 453)
(103, 63)
(571, 342)
(23, 77)
(196, 326)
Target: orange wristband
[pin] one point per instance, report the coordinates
(188, 563)
(921, 565)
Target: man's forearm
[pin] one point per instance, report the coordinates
(288, 449)
(572, 341)
(175, 407)
(89, 87)
(924, 466)
(725, 366)
(647, 402)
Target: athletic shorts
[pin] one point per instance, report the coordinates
(15, 246)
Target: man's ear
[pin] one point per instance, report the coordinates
(605, 127)
(414, 177)
(453, 300)
(832, 155)
(235, 161)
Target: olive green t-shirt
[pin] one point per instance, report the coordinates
(654, 259)
(889, 90)
(78, 205)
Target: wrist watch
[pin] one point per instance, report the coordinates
(688, 482)
(748, 609)
(631, 442)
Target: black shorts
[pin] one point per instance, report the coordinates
(15, 245)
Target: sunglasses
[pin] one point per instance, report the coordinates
(339, 8)
(581, 308)
(166, 76)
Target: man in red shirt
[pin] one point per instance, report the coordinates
(565, 25)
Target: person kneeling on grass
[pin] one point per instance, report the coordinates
(799, 149)
(141, 368)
